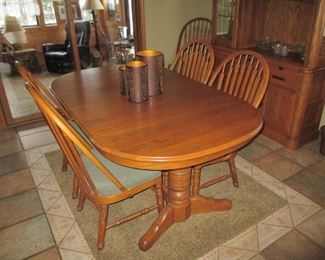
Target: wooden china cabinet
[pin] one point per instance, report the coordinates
(294, 101)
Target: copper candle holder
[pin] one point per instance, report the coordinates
(122, 79)
(155, 61)
(136, 81)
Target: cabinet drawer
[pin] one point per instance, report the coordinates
(285, 76)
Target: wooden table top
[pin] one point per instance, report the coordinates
(186, 125)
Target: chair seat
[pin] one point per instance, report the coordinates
(129, 177)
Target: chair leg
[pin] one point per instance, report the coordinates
(159, 196)
(103, 213)
(82, 198)
(196, 175)
(233, 171)
(75, 190)
(64, 164)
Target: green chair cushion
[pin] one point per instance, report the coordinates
(129, 177)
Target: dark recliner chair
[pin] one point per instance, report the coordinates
(59, 56)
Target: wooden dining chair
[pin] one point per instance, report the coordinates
(195, 29)
(195, 61)
(100, 180)
(245, 75)
(30, 78)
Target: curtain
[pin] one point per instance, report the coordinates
(24, 10)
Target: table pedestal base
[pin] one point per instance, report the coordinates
(180, 206)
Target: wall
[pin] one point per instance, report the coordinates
(164, 20)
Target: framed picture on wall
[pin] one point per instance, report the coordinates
(61, 13)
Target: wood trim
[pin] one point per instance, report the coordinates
(139, 24)
(73, 38)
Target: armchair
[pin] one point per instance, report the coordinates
(57, 55)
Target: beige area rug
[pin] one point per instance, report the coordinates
(188, 240)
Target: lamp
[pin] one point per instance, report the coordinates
(94, 5)
(13, 31)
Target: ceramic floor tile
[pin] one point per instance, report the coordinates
(37, 139)
(72, 255)
(32, 128)
(304, 156)
(39, 175)
(323, 205)
(34, 235)
(48, 198)
(314, 228)
(212, 255)
(227, 253)
(243, 165)
(50, 183)
(267, 142)
(41, 164)
(75, 241)
(50, 254)
(309, 184)
(293, 245)
(301, 212)
(295, 197)
(15, 182)
(9, 147)
(277, 166)
(32, 157)
(318, 168)
(254, 151)
(280, 218)
(60, 226)
(277, 187)
(60, 208)
(12, 163)
(257, 257)
(260, 175)
(246, 240)
(267, 234)
(42, 149)
(19, 207)
(7, 133)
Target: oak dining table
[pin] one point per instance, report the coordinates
(188, 124)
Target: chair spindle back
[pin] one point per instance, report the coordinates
(195, 29)
(195, 61)
(243, 74)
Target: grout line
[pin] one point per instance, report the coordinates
(21, 221)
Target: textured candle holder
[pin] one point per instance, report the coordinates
(136, 81)
(122, 79)
(155, 61)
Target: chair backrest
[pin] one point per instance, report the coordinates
(72, 145)
(82, 29)
(195, 61)
(31, 79)
(244, 74)
(195, 29)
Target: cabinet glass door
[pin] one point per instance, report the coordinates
(225, 17)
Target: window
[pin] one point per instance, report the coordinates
(85, 14)
(113, 7)
(49, 13)
(24, 10)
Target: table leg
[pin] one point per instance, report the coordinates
(177, 210)
(201, 204)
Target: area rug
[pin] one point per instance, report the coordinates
(187, 240)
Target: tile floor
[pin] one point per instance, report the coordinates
(36, 223)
